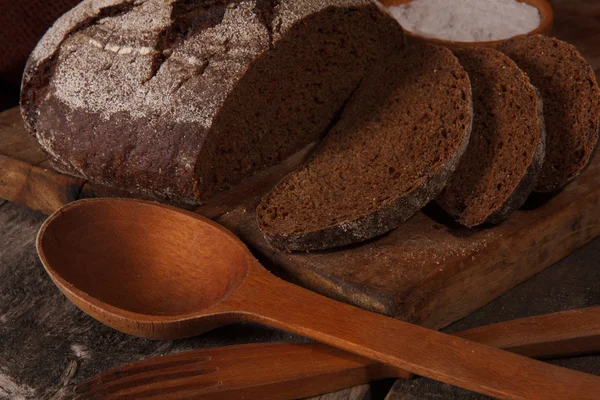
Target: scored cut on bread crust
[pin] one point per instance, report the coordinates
(181, 99)
(397, 142)
(506, 151)
(571, 98)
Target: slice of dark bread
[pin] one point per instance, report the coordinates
(506, 151)
(399, 139)
(571, 104)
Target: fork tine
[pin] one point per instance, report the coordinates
(230, 355)
(130, 370)
(247, 371)
(141, 382)
(153, 389)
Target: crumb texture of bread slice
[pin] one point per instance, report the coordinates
(571, 99)
(396, 144)
(506, 150)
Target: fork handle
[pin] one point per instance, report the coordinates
(450, 359)
(561, 334)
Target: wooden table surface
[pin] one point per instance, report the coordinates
(47, 345)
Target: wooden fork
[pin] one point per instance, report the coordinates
(284, 371)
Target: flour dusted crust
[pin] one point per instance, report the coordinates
(126, 93)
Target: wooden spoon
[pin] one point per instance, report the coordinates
(303, 370)
(162, 273)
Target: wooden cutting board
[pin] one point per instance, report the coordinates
(428, 271)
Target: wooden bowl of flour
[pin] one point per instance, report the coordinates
(545, 27)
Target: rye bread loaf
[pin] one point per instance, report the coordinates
(397, 142)
(571, 98)
(181, 99)
(506, 150)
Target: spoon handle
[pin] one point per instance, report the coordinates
(456, 361)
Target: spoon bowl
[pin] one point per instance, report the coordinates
(158, 272)
(140, 261)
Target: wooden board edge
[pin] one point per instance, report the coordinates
(526, 257)
(37, 188)
(337, 289)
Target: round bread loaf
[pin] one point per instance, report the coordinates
(397, 143)
(182, 99)
(506, 151)
(571, 99)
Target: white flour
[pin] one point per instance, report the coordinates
(467, 20)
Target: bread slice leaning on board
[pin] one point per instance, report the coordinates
(506, 151)
(571, 98)
(396, 144)
(182, 99)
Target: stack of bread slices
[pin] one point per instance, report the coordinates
(477, 131)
